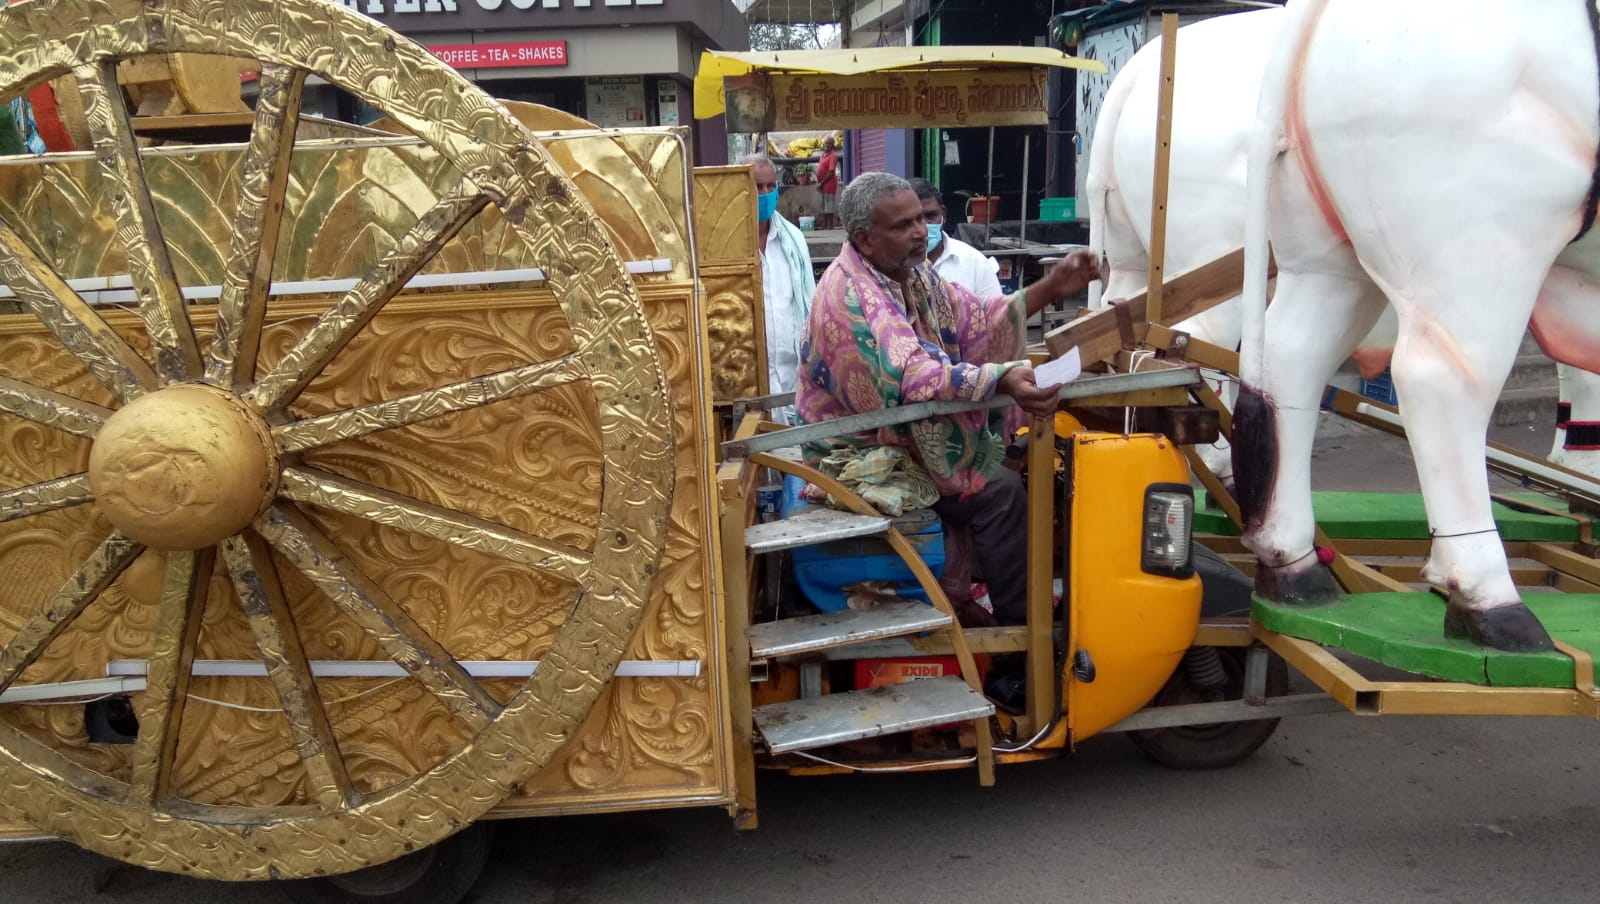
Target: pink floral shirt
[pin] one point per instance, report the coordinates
(868, 347)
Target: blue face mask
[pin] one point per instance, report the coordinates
(766, 205)
(935, 235)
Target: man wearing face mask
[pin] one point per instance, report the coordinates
(887, 330)
(952, 258)
(786, 283)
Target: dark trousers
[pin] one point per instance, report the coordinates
(997, 516)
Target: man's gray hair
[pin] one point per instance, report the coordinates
(755, 158)
(860, 198)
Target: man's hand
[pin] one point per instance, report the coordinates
(1073, 273)
(1018, 384)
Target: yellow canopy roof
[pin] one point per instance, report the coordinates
(715, 65)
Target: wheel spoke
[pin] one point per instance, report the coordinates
(359, 597)
(51, 409)
(114, 554)
(183, 603)
(327, 429)
(363, 500)
(177, 353)
(38, 498)
(255, 581)
(71, 320)
(344, 321)
(264, 176)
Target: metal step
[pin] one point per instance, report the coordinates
(789, 636)
(789, 453)
(813, 527)
(837, 718)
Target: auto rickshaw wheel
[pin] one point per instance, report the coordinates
(1210, 674)
(199, 457)
(1218, 745)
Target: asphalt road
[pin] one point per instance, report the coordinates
(1334, 808)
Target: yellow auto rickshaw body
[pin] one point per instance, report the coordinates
(1133, 626)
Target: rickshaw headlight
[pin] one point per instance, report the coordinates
(1168, 530)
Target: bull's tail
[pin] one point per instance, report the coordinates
(1269, 142)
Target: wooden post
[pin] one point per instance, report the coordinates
(1041, 571)
(988, 192)
(735, 483)
(1158, 202)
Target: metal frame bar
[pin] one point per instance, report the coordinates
(1424, 698)
(1153, 717)
(1080, 389)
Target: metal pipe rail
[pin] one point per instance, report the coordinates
(1081, 388)
(1502, 459)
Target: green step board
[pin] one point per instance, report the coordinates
(1399, 516)
(1406, 631)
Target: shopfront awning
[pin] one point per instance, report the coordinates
(879, 87)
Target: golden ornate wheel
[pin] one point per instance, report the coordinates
(202, 460)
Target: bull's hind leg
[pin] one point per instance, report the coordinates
(1315, 320)
(1449, 367)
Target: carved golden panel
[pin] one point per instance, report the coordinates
(530, 463)
(369, 194)
(366, 192)
(730, 271)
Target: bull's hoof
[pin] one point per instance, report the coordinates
(1511, 628)
(1312, 586)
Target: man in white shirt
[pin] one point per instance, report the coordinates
(787, 283)
(952, 258)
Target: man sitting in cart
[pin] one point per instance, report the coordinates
(887, 330)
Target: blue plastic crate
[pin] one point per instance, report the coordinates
(1381, 388)
(822, 571)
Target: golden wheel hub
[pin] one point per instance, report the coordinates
(183, 468)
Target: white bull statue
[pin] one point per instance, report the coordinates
(1404, 155)
(1220, 63)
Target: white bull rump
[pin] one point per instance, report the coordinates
(1220, 65)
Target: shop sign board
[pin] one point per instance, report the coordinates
(505, 53)
(438, 15)
(614, 101)
(764, 102)
(667, 102)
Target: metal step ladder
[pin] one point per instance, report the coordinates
(812, 722)
(836, 718)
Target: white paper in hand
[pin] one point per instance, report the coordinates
(1064, 369)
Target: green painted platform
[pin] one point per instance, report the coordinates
(1406, 631)
(1398, 516)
